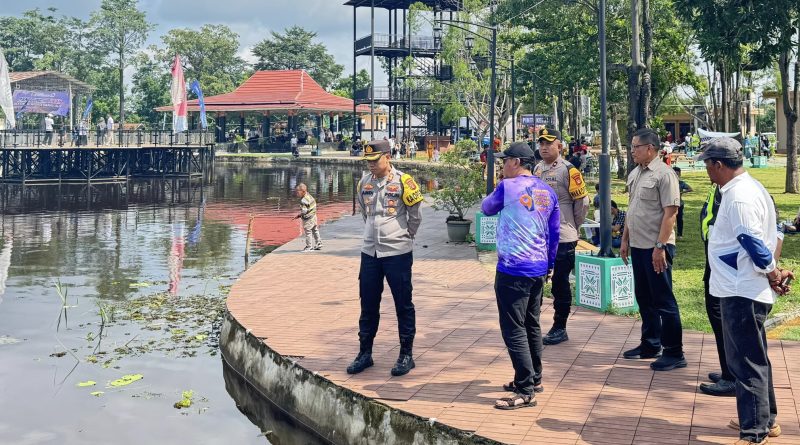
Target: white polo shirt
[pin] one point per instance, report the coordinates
(746, 209)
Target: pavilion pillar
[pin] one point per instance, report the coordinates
(267, 125)
(319, 127)
(221, 130)
(241, 124)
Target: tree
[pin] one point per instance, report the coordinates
(208, 54)
(344, 86)
(295, 50)
(120, 29)
(149, 87)
(740, 35)
(791, 107)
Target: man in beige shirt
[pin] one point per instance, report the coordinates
(649, 238)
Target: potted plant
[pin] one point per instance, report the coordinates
(460, 188)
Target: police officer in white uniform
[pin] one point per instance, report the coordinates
(390, 205)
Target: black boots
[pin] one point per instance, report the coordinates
(405, 362)
(364, 358)
(555, 336)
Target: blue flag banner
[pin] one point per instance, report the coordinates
(89, 104)
(195, 86)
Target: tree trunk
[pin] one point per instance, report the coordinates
(647, 82)
(790, 110)
(723, 83)
(575, 124)
(561, 112)
(634, 91)
(121, 90)
(712, 82)
(615, 140)
(748, 119)
(737, 102)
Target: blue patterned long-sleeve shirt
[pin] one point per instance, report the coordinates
(528, 226)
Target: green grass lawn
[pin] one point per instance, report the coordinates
(689, 262)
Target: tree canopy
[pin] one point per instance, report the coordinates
(295, 49)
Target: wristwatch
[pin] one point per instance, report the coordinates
(660, 245)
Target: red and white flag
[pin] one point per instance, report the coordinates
(178, 91)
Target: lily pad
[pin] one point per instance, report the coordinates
(140, 284)
(6, 340)
(201, 337)
(126, 380)
(96, 393)
(86, 383)
(186, 401)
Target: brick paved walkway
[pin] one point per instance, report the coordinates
(306, 306)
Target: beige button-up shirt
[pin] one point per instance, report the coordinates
(652, 188)
(390, 223)
(573, 200)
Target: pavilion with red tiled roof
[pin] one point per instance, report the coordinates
(273, 95)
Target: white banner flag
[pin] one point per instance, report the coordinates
(178, 93)
(6, 99)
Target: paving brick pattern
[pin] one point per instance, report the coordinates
(305, 305)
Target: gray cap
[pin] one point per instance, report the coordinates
(721, 148)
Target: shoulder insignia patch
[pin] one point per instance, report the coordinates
(577, 188)
(411, 193)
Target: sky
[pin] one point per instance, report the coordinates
(251, 19)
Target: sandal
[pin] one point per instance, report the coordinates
(537, 387)
(516, 402)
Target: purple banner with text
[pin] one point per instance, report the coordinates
(56, 102)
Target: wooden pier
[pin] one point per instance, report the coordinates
(33, 158)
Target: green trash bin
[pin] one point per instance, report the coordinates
(759, 161)
(604, 284)
(485, 232)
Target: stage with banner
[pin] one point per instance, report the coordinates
(56, 103)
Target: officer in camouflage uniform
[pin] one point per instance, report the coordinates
(567, 182)
(390, 205)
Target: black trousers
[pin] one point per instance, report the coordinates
(661, 319)
(519, 302)
(397, 271)
(679, 220)
(746, 348)
(562, 291)
(715, 318)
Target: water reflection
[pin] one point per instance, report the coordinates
(279, 427)
(119, 243)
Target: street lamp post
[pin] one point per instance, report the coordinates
(605, 158)
(469, 41)
(513, 102)
(492, 99)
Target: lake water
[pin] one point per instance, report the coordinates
(105, 281)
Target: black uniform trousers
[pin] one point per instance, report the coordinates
(746, 351)
(397, 271)
(661, 319)
(519, 303)
(715, 319)
(562, 291)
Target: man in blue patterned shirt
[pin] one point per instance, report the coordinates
(527, 242)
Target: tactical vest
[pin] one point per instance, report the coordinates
(708, 215)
